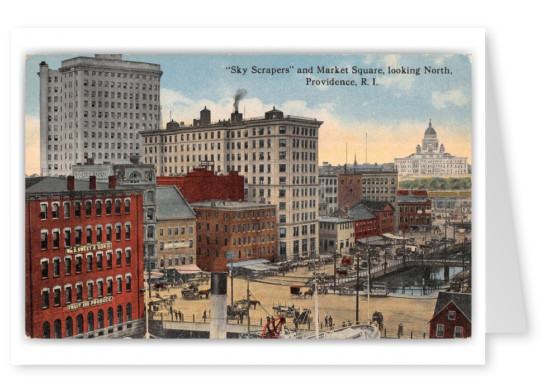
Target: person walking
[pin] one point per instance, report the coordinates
(330, 321)
(205, 316)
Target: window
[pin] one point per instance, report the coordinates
(67, 235)
(110, 316)
(68, 294)
(98, 208)
(128, 283)
(55, 210)
(119, 314)
(108, 233)
(127, 206)
(109, 260)
(56, 239)
(118, 204)
(90, 290)
(439, 330)
(127, 231)
(44, 240)
(69, 327)
(56, 267)
(119, 257)
(89, 262)
(77, 209)
(451, 315)
(88, 235)
(43, 211)
(44, 264)
(90, 321)
(119, 284)
(458, 332)
(80, 324)
(109, 287)
(108, 205)
(127, 253)
(67, 265)
(118, 230)
(78, 236)
(88, 208)
(100, 289)
(57, 297)
(100, 319)
(99, 261)
(45, 298)
(46, 330)
(78, 267)
(79, 292)
(128, 312)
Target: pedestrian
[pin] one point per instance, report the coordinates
(205, 316)
(330, 321)
(326, 320)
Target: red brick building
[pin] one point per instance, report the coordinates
(245, 228)
(83, 259)
(414, 208)
(372, 218)
(349, 190)
(202, 185)
(452, 316)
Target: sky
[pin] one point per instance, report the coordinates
(375, 123)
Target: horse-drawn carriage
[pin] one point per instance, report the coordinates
(236, 311)
(286, 311)
(251, 302)
(192, 292)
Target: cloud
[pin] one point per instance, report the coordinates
(441, 100)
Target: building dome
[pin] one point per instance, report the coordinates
(430, 131)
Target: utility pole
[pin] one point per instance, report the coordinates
(335, 272)
(357, 288)
(231, 279)
(248, 311)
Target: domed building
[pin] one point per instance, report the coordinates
(431, 159)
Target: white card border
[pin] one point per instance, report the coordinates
(232, 40)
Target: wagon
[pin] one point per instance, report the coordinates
(295, 291)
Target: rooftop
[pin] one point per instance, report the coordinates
(171, 204)
(230, 205)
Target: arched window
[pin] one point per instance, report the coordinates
(90, 321)
(119, 314)
(68, 326)
(110, 316)
(100, 319)
(57, 328)
(118, 204)
(98, 208)
(46, 329)
(88, 208)
(80, 324)
(128, 312)
(127, 206)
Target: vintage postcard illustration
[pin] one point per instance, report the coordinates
(248, 196)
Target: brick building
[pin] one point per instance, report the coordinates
(245, 228)
(83, 259)
(372, 218)
(202, 185)
(176, 228)
(452, 316)
(349, 190)
(414, 208)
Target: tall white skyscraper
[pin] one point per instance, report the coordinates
(94, 107)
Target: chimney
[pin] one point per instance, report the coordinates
(92, 182)
(112, 181)
(70, 182)
(236, 116)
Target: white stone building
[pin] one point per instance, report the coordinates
(94, 107)
(430, 159)
(277, 154)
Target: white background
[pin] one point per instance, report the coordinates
(517, 49)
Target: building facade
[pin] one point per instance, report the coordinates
(336, 234)
(245, 229)
(277, 154)
(414, 208)
(202, 184)
(176, 228)
(349, 190)
(328, 193)
(452, 316)
(94, 107)
(431, 159)
(137, 176)
(379, 185)
(83, 259)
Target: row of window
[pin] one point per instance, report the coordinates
(91, 324)
(90, 238)
(176, 230)
(256, 227)
(91, 263)
(262, 251)
(99, 291)
(176, 261)
(238, 242)
(88, 208)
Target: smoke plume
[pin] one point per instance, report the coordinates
(240, 94)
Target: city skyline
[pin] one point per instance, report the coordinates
(391, 116)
